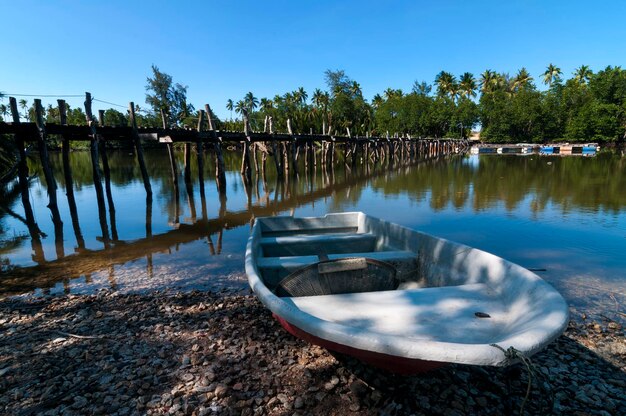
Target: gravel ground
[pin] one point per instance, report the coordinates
(204, 353)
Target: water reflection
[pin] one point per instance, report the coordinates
(565, 215)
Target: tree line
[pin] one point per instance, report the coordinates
(587, 106)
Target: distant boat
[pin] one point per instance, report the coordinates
(396, 298)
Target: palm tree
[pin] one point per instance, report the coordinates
(583, 74)
(487, 81)
(317, 98)
(4, 111)
(355, 89)
(503, 82)
(251, 101)
(229, 106)
(552, 75)
(266, 104)
(24, 106)
(390, 93)
(241, 106)
(302, 95)
(446, 84)
(522, 79)
(467, 85)
(377, 101)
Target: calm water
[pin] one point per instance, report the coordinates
(566, 215)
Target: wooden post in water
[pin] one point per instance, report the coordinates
(187, 174)
(51, 183)
(22, 170)
(170, 153)
(95, 168)
(200, 153)
(276, 151)
(246, 171)
(139, 151)
(69, 182)
(220, 169)
(107, 178)
(292, 149)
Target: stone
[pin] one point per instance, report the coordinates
(298, 403)
(221, 391)
(79, 402)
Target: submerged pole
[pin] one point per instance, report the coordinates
(51, 183)
(22, 169)
(220, 169)
(139, 150)
(69, 182)
(95, 169)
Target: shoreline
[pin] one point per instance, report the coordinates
(200, 353)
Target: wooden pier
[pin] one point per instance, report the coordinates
(290, 152)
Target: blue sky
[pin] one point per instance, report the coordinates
(223, 49)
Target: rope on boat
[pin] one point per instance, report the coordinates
(513, 354)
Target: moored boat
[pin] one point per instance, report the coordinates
(396, 298)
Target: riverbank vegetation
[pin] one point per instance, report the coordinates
(585, 107)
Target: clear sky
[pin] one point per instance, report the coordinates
(223, 49)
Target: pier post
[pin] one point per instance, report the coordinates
(51, 183)
(22, 171)
(200, 152)
(95, 169)
(69, 182)
(170, 153)
(107, 177)
(246, 171)
(139, 150)
(220, 170)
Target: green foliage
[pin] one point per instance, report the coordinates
(115, 118)
(164, 95)
(586, 107)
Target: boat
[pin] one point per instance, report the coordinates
(396, 298)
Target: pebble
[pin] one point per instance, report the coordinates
(79, 402)
(206, 353)
(298, 403)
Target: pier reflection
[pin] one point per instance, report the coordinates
(130, 237)
(267, 194)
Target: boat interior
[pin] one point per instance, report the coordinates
(435, 295)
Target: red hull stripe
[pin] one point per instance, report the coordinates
(392, 363)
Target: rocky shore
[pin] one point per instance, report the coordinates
(203, 353)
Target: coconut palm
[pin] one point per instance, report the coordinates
(503, 82)
(390, 93)
(552, 75)
(4, 111)
(487, 81)
(24, 106)
(251, 101)
(266, 104)
(446, 84)
(583, 74)
(302, 94)
(522, 79)
(377, 101)
(467, 85)
(317, 98)
(229, 106)
(355, 89)
(241, 106)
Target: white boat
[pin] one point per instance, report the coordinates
(447, 303)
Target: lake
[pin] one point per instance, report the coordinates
(564, 217)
